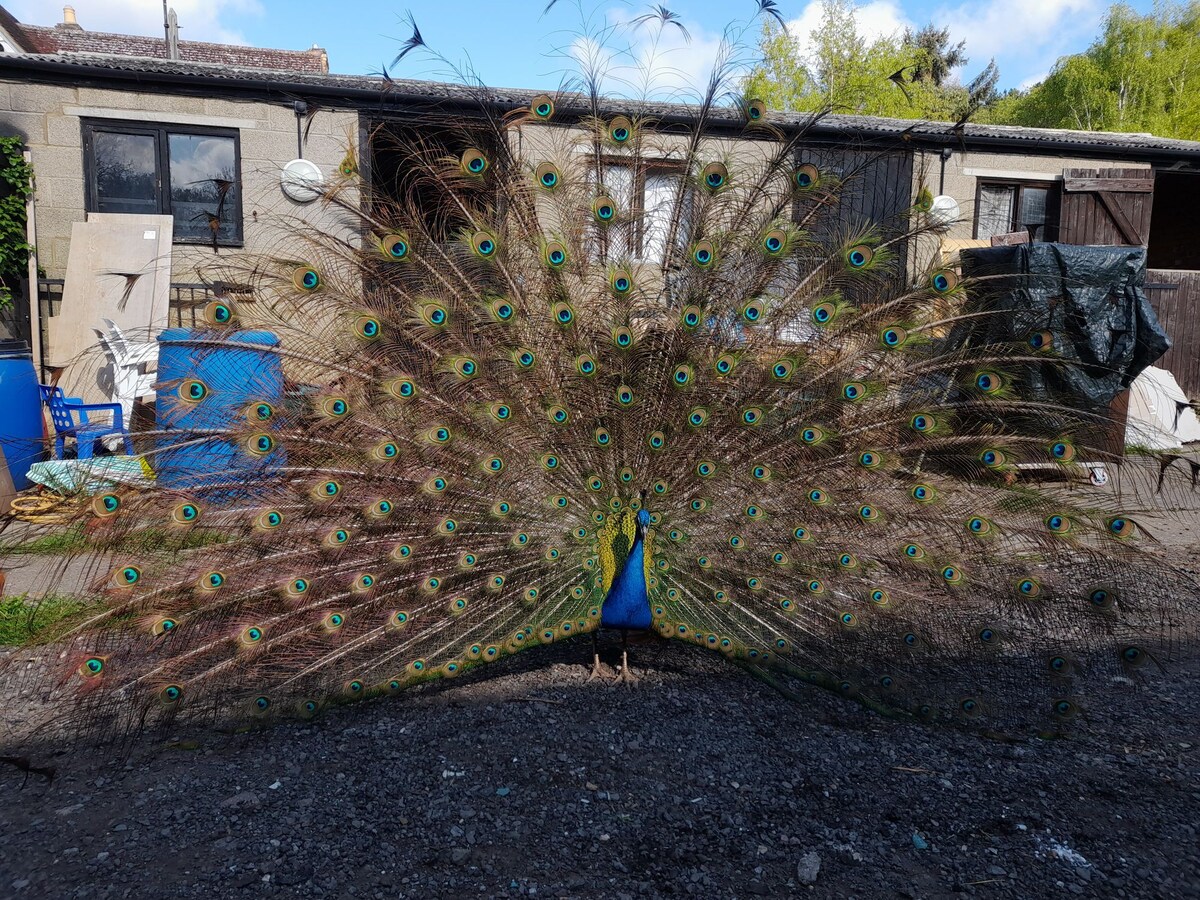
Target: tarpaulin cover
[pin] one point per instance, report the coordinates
(1089, 299)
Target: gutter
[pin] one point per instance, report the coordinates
(367, 99)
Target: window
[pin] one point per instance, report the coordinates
(646, 193)
(1005, 207)
(191, 174)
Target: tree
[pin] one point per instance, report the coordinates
(1140, 74)
(935, 56)
(905, 77)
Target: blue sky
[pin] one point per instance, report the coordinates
(508, 42)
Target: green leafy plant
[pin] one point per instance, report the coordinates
(25, 621)
(16, 185)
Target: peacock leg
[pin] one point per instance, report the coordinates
(597, 669)
(625, 674)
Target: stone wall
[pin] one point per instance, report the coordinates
(49, 117)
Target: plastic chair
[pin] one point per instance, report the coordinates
(70, 416)
(129, 359)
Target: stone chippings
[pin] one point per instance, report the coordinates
(703, 782)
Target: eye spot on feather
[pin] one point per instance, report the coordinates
(484, 244)
(922, 423)
(924, 493)
(218, 313)
(943, 281)
(547, 175)
(1029, 587)
(211, 581)
(714, 176)
(752, 416)
(1059, 524)
(992, 458)
(306, 278)
(126, 576)
(395, 247)
(367, 327)
(170, 695)
(185, 514)
(806, 177)
(193, 391)
(1062, 451)
(859, 256)
(1121, 527)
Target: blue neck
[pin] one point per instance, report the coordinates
(627, 604)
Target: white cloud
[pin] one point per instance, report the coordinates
(878, 19)
(1034, 80)
(199, 20)
(650, 59)
(1025, 36)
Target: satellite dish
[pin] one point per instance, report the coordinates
(944, 212)
(302, 181)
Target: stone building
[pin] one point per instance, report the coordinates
(115, 123)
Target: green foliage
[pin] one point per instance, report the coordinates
(1141, 74)
(24, 621)
(145, 540)
(904, 77)
(16, 184)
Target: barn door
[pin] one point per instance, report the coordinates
(1106, 206)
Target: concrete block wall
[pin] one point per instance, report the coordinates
(49, 118)
(965, 169)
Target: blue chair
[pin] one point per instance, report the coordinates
(70, 418)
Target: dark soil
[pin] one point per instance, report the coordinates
(701, 782)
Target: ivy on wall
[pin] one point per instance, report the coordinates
(16, 184)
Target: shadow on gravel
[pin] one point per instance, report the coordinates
(526, 780)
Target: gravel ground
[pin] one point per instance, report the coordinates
(529, 781)
(525, 780)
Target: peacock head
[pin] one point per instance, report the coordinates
(643, 517)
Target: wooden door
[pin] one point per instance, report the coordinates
(1106, 206)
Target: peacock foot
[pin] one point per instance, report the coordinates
(625, 676)
(597, 673)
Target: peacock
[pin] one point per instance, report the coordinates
(584, 365)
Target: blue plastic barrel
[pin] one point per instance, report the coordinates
(231, 382)
(20, 411)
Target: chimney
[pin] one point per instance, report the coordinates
(69, 20)
(172, 35)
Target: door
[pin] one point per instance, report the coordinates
(1106, 206)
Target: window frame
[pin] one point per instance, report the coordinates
(1053, 188)
(161, 132)
(641, 169)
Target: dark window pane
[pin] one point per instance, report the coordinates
(996, 203)
(1033, 208)
(200, 164)
(125, 173)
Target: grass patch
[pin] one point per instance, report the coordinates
(73, 539)
(66, 541)
(24, 621)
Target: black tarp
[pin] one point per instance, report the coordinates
(1090, 300)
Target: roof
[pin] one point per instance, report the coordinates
(10, 26)
(372, 93)
(71, 39)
